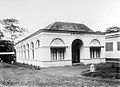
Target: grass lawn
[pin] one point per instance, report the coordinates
(68, 76)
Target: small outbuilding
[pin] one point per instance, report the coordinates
(112, 47)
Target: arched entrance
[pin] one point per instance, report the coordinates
(76, 48)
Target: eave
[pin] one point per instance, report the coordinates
(61, 31)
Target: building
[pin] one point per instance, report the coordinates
(62, 44)
(112, 47)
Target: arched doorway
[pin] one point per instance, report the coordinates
(76, 48)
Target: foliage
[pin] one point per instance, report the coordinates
(113, 29)
(1, 34)
(10, 26)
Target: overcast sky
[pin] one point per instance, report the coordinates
(36, 14)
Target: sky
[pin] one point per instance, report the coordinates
(37, 14)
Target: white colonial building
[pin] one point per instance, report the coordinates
(113, 47)
(61, 44)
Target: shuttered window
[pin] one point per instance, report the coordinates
(57, 53)
(109, 46)
(118, 46)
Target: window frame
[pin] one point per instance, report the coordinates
(118, 46)
(28, 51)
(109, 44)
(32, 49)
(57, 53)
(37, 43)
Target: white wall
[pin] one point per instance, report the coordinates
(115, 38)
(42, 54)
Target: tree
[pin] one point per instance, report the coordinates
(1, 34)
(112, 29)
(10, 26)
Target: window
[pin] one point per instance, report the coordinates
(18, 52)
(95, 49)
(32, 46)
(28, 52)
(118, 46)
(109, 46)
(95, 52)
(57, 49)
(57, 53)
(24, 51)
(37, 43)
(21, 52)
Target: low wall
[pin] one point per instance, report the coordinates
(45, 63)
(30, 62)
(60, 62)
(57, 63)
(93, 61)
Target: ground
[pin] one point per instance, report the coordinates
(105, 70)
(67, 76)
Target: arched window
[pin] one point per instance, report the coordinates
(95, 42)
(57, 48)
(24, 49)
(17, 51)
(28, 52)
(37, 44)
(21, 51)
(32, 47)
(57, 42)
(95, 49)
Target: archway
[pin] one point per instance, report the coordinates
(76, 48)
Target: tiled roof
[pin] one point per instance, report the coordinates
(68, 26)
(64, 27)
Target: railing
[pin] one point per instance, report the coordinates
(6, 53)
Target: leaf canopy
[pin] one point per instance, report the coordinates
(11, 26)
(112, 29)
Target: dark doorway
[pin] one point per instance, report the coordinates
(76, 48)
